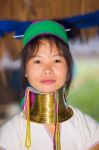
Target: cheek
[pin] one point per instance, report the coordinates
(32, 79)
(31, 75)
(31, 70)
(64, 72)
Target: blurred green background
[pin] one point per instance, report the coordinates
(84, 92)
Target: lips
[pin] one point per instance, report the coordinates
(48, 81)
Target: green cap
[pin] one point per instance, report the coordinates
(45, 27)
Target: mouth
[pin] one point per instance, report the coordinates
(48, 81)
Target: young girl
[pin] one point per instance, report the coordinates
(46, 122)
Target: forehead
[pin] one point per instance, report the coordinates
(47, 46)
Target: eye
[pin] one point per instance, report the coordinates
(57, 61)
(36, 62)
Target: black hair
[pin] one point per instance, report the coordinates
(33, 46)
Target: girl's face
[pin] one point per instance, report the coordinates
(47, 70)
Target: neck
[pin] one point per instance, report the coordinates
(43, 108)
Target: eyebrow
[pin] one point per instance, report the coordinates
(57, 55)
(42, 56)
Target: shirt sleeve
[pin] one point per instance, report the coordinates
(93, 128)
(9, 135)
(89, 129)
(95, 139)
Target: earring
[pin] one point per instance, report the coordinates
(26, 75)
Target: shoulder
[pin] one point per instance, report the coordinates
(9, 132)
(83, 121)
(11, 123)
(83, 118)
(88, 125)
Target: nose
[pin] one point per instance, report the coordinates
(48, 69)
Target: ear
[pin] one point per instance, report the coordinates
(26, 75)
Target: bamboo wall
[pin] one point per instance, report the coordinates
(23, 10)
(38, 9)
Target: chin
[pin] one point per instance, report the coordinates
(48, 90)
